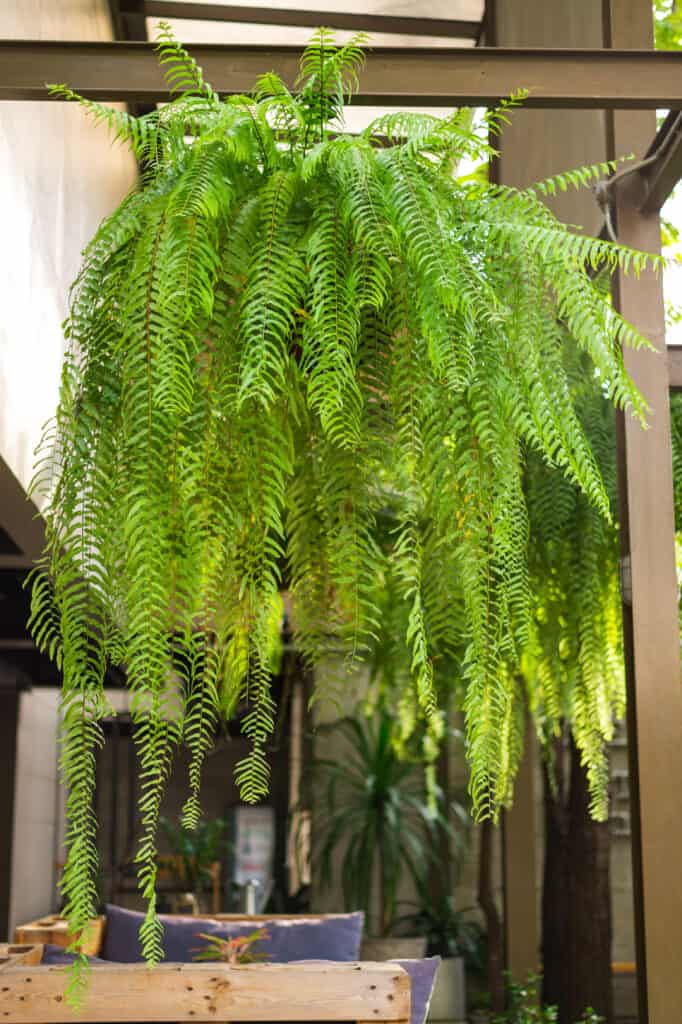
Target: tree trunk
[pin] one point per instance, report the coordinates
(486, 899)
(576, 917)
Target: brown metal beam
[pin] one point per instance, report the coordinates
(651, 625)
(20, 518)
(131, 25)
(401, 25)
(663, 174)
(589, 79)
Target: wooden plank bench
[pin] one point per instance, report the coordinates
(33, 993)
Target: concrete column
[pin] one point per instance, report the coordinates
(9, 711)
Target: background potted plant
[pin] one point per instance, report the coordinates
(374, 828)
(193, 852)
(459, 940)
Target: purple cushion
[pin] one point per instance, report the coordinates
(56, 956)
(122, 941)
(333, 938)
(422, 978)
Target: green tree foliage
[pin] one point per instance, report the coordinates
(667, 24)
(283, 333)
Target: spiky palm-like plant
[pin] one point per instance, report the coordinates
(283, 332)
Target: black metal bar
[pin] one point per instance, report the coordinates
(395, 76)
(354, 22)
(132, 776)
(129, 20)
(113, 810)
(131, 25)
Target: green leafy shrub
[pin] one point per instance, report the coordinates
(524, 1007)
(373, 825)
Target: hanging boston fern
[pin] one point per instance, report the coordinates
(285, 336)
(573, 665)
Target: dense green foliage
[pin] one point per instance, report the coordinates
(285, 334)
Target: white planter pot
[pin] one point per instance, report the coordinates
(393, 949)
(448, 1001)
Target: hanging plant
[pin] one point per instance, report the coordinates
(573, 665)
(283, 333)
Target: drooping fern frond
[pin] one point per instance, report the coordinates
(300, 358)
(573, 663)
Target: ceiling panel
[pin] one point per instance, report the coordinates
(276, 35)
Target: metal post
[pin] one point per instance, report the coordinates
(115, 782)
(651, 621)
(536, 144)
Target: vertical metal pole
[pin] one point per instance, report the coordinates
(517, 836)
(113, 810)
(536, 144)
(651, 622)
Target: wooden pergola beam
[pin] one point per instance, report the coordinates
(650, 619)
(20, 518)
(437, 76)
(661, 176)
(348, 20)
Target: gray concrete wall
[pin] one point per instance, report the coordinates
(60, 178)
(36, 808)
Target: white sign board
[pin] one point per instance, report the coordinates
(254, 853)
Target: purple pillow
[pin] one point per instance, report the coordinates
(334, 938)
(57, 956)
(422, 980)
(122, 940)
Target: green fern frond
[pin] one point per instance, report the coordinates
(182, 73)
